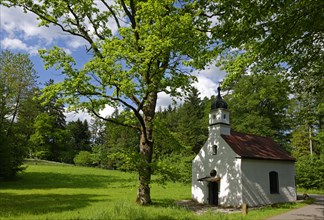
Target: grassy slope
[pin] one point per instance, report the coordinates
(52, 191)
(68, 192)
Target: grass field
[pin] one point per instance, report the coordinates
(55, 191)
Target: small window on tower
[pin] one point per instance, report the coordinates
(224, 116)
(214, 116)
(214, 149)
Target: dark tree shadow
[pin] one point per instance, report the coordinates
(35, 204)
(47, 180)
(165, 203)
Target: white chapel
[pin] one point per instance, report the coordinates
(235, 168)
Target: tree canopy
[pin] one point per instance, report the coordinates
(17, 81)
(268, 34)
(140, 48)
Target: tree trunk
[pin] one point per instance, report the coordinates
(145, 170)
(146, 152)
(310, 140)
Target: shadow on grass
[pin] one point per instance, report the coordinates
(164, 203)
(47, 180)
(36, 204)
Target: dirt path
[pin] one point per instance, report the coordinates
(202, 208)
(313, 211)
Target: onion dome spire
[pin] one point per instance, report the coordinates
(219, 101)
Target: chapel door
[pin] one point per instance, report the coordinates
(213, 193)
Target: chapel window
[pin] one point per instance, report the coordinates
(214, 149)
(274, 182)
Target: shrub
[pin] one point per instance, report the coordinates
(12, 156)
(83, 158)
(310, 172)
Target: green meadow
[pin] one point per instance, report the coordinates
(57, 191)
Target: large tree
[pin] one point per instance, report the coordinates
(263, 35)
(17, 81)
(153, 49)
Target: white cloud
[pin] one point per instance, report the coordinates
(74, 116)
(16, 23)
(83, 115)
(9, 43)
(17, 44)
(76, 43)
(208, 80)
(206, 86)
(107, 111)
(207, 83)
(164, 100)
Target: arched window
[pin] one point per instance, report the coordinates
(274, 182)
(214, 149)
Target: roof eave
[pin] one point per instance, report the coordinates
(263, 158)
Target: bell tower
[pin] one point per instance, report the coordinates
(219, 116)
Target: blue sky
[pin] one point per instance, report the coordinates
(19, 32)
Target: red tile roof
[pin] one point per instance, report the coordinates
(256, 147)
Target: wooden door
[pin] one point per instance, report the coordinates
(213, 193)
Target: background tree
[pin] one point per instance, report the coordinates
(55, 108)
(50, 139)
(17, 81)
(80, 136)
(259, 106)
(29, 109)
(310, 172)
(149, 53)
(121, 143)
(97, 127)
(192, 128)
(308, 119)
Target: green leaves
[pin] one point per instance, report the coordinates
(310, 172)
(154, 50)
(17, 83)
(259, 106)
(271, 35)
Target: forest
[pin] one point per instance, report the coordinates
(262, 105)
(272, 52)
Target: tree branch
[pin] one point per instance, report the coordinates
(131, 16)
(95, 27)
(112, 12)
(135, 111)
(111, 120)
(83, 31)
(42, 15)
